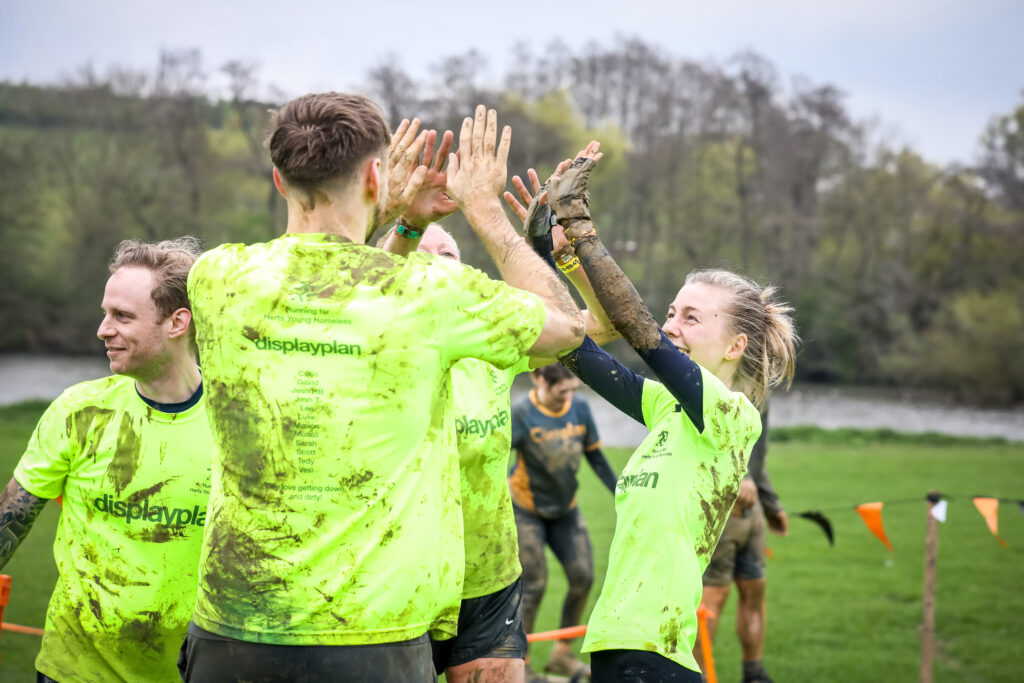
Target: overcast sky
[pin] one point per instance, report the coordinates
(933, 71)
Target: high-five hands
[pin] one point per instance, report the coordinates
(404, 173)
(431, 202)
(530, 203)
(477, 174)
(568, 194)
(531, 208)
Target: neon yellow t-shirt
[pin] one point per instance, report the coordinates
(335, 515)
(482, 406)
(671, 503)
(135, 483)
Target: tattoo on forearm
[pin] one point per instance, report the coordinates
(510, 248)
(18, 511)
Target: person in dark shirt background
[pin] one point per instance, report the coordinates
(552, 429)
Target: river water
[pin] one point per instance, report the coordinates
(24, 377)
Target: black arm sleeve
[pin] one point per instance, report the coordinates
(602, 468)
(756, 469)
(680, 375)
(612, 380)
(544, 245)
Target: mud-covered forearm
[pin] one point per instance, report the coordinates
(570, 202)
(18, 511)
(569, 199)
(615, 293)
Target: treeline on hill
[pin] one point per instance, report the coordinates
(903, 272)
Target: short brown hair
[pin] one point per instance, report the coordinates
(553, 374)
(324, 136)
(170, 262)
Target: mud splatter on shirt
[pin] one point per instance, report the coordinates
(335, 516)
(671, 503)
(135, 483)
(483, 429)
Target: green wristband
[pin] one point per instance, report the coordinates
(409, 232)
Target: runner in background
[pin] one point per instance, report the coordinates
(552, 431)
(130, 454)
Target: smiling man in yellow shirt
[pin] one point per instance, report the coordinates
(130, 454)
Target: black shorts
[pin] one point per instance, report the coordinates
(209, 658)
(489, 626)
(637, 666)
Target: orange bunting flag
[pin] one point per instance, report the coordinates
(989, 509)
(871, 513)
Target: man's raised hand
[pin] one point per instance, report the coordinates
(432, 202)
(405, 174)
(476, 175)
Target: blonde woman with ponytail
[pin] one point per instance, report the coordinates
(725, 343)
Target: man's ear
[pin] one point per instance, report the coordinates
(180, 321)
(279, 183)
(372, 180)
(737, 347)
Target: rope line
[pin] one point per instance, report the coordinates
(904, 501)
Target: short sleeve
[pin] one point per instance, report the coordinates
(44, 466)
(519, 368)
(657, 403)
(195, 275)
(487, 319)
(734, 423)
(199, 285)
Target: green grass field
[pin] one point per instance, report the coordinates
(848, 613)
